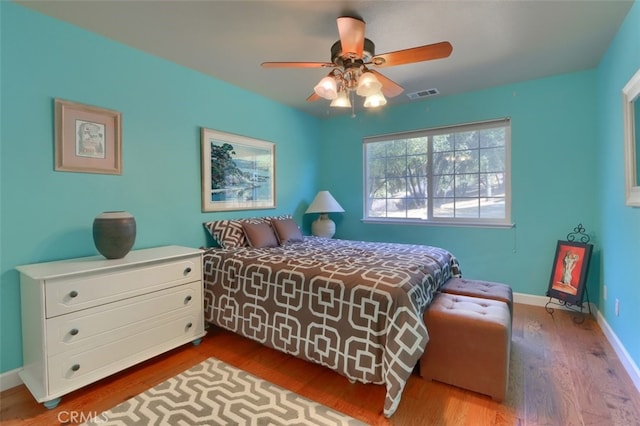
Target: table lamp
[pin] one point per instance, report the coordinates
(324, 203)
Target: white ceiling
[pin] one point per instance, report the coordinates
(494, 42)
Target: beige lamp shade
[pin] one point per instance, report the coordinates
(324, 203)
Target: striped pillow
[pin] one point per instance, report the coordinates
(227, 233)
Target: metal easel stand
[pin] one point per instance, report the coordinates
(570, 307)
(578, 232)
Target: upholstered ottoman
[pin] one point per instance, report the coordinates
(469, 344)
(482, 289)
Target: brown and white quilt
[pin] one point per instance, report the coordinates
(355, 307)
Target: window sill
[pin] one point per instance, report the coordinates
(439, 223)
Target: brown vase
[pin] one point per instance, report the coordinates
(114, 233)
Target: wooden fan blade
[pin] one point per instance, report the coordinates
(415, 54)
(351, 32)
(389, 87)
(313, 97)
(297, 65)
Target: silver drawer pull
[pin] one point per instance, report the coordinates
(187, 270)
(73, 331)
(75, 367)
(187, 299)
(189, 325)
(73, 294)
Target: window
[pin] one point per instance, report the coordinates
(453, 175)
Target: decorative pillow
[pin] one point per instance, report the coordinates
(287, 231)
(227, 233)
(268, 219)
(259, 235)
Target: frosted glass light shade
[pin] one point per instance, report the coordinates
(327, 88)
(342, 101)
(368, 84)
(375, 100)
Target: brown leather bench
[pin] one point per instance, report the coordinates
(469, 344)
(482, 289)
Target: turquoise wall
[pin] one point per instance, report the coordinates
(47, 215)
(553, 163)
(619, 224)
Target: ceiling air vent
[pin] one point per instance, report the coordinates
(423, 93)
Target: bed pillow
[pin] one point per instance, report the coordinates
(227, 233)
(260, 235)
(287, 231)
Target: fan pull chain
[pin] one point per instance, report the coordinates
(353, 104)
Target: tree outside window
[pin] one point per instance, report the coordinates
(456, 174)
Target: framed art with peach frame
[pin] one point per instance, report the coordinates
(88, 139)
(569, 273)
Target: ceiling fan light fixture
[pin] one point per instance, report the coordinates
(375, 100)
(368, 84)
(342, 101)
(327, 88)
(350, 56)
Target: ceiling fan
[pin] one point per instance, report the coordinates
(351, 57)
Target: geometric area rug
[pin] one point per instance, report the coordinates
(216, 393)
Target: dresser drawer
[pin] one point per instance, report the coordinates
(70, 370)
(71, 294)
(103, 324)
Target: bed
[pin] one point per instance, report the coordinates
(353, 306)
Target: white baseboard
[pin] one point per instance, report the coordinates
(529, 299)
(10, 379)
(625, 358)
(627, 362)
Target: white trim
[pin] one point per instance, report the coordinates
(627, 362)
(625, 358)
(424, 222)
(10, 379)
(530, 299)
(473, 125)
(630, 96)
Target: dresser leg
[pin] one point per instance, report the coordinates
(196, 342)
(52, 404)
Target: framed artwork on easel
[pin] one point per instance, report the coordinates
(569, 272)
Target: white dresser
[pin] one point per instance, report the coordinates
(84, 319)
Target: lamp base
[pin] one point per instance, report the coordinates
(323, 226)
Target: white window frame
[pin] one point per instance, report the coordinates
(448, 221)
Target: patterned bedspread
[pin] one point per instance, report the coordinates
(355, 307)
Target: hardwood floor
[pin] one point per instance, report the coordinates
(562, 373)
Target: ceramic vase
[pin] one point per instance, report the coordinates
(114, 233)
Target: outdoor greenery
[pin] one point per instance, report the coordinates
(461, 173)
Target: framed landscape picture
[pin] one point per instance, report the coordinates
(569, 272)
(88, 139)
(238, 173)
